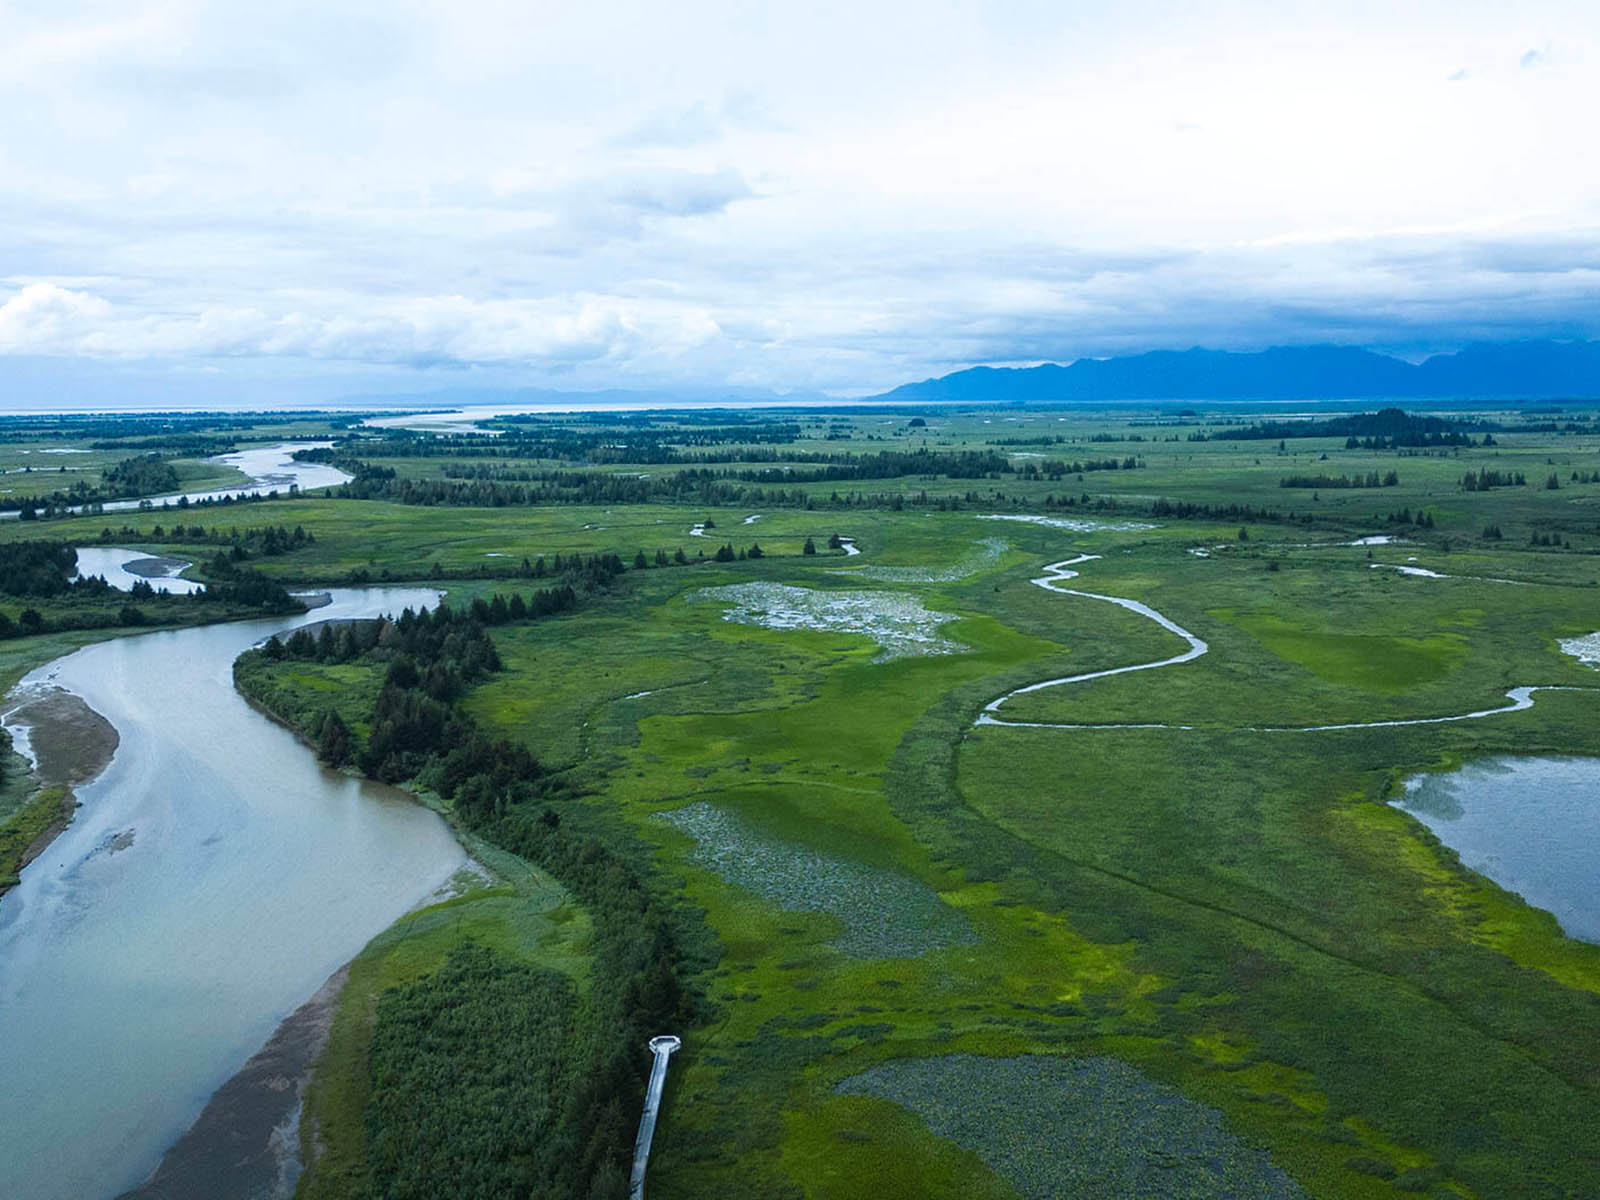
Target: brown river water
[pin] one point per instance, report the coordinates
(215, 876)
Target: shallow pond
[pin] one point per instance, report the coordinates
(1585, 649)
(899, 624)
(884, 914)
(215, 876)
(1530, 824)
(1082, 1127)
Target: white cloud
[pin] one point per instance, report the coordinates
(43, 315)
(44, 319)
(841, 195)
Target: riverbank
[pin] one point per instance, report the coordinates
(561, 966)
(298, 869)
(66, 744)
(264, 1127)
(246, 1142)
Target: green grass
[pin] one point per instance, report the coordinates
(25, 825)
(1370, 661)
(1171, 868)
(524, 916)
(1239, 916)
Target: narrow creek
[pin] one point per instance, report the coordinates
(214, 877)
(1531, 824)
(1058, 573)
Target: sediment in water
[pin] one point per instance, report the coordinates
(67, 744)
(246, 1142)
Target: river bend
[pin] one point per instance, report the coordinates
(1058, 573)
(215, 876)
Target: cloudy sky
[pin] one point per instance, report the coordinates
(335, 197)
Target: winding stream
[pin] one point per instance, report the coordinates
(215, 876)
(270, 469)
(1058, 573)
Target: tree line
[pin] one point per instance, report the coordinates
(554, 1085)
(142, 475)
(1483, 480)
(1387, 428)
(42, 570)
(268, 540)
(596, 446)
(1335, 482)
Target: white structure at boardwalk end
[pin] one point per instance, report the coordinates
(662, 1047)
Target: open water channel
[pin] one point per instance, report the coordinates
(214, 877)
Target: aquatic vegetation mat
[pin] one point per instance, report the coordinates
(1081, 1127)
(1585, 649)
(900, 625)
(884, 914)
(988, 552)
(1072, 524)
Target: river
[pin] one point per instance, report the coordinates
(270, 468)
(215, 876)
(112, 564)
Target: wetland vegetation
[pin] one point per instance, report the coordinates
(742, 797)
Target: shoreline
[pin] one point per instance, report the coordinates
(156, 567)
(246, 1141)
(76, 746)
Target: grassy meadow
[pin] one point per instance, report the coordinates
(1220, 928)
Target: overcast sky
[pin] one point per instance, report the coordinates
(815, 196)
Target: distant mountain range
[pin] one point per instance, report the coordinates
(1473, 377)
(1514, 370)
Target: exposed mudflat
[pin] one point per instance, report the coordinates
(298, 868)
(122, 569)
(67, 741)
(246, 1143)
(155, 566)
